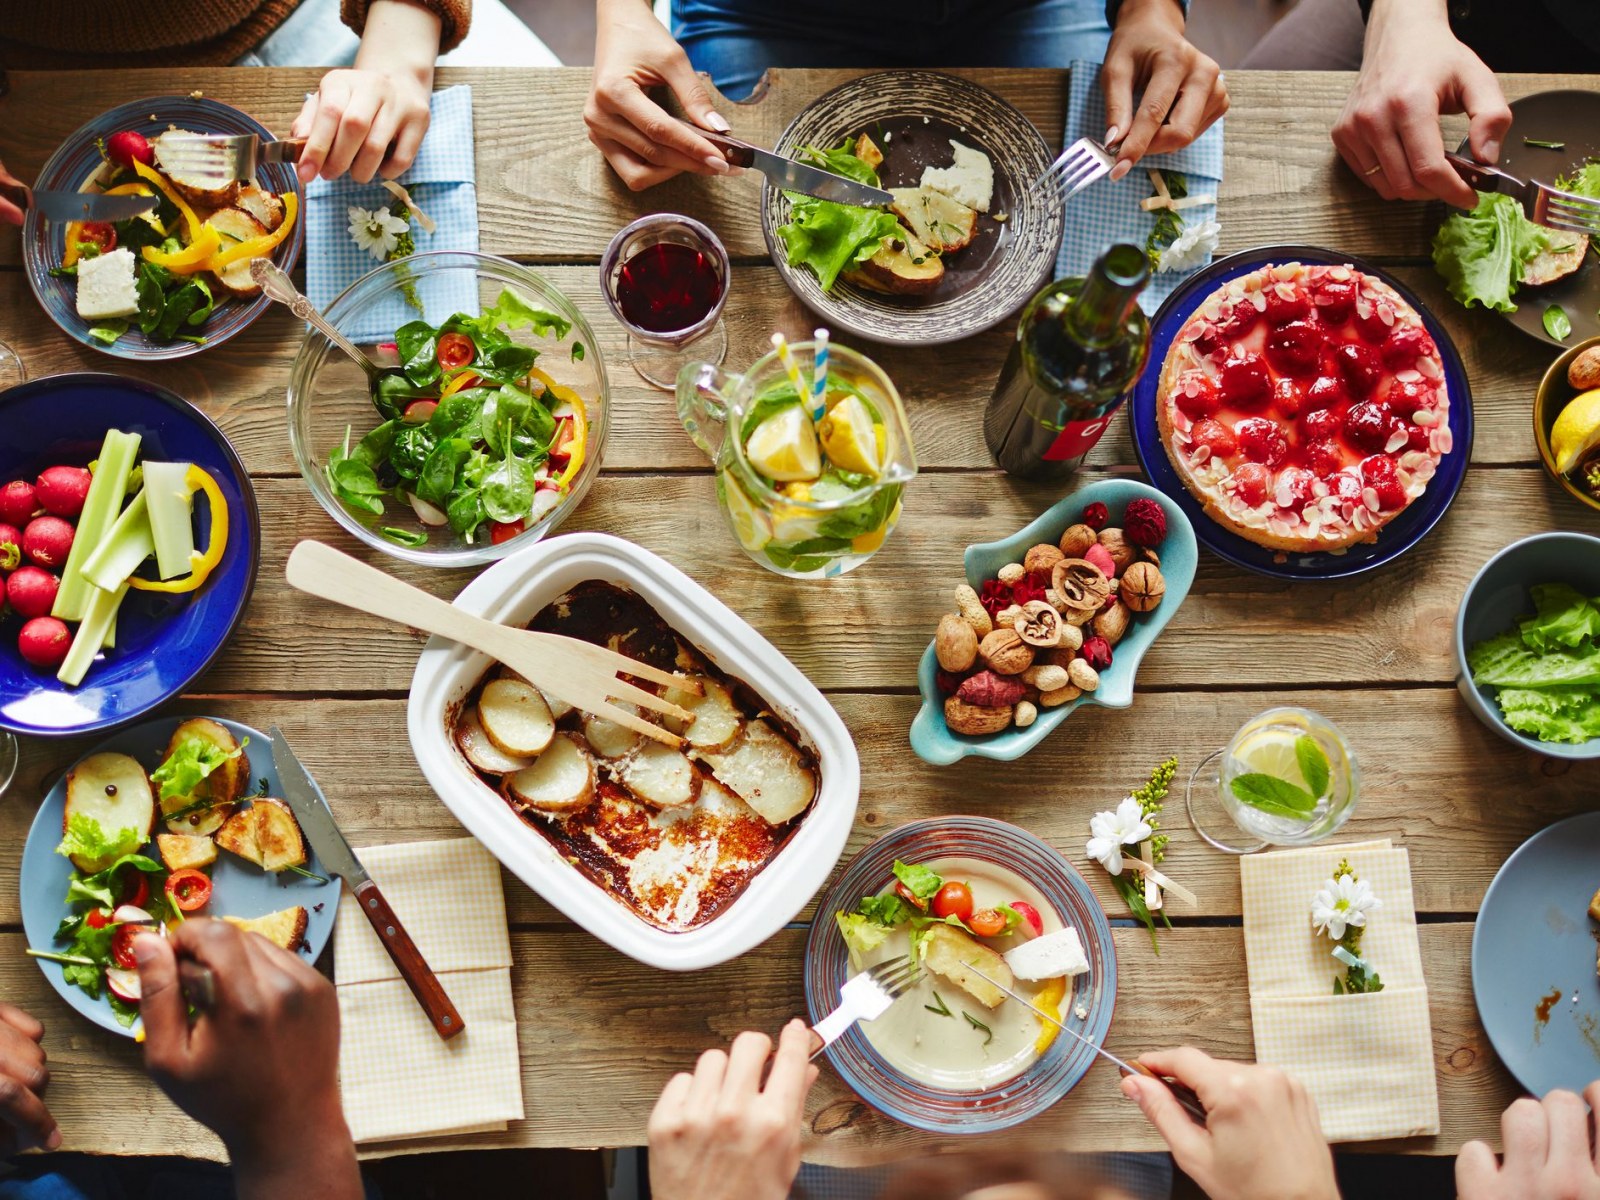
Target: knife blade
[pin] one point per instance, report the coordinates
(322, 831)
(794, 176)
(77, 206)
(1182, 1093)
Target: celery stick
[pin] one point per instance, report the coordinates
(127, 544)
(91, 636)
(100, 510)
(171, 516)
(111, 633)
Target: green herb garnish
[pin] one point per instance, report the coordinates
(404, 537)
(1280, 797)
(1540, 144)
(1556, 323)
(943, 1009)
(977, 1024)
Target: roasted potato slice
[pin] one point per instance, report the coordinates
(1561, 258)
(903, 266)
(285, 928)
(951, 953)
(765, 771)
(558, 707)
(236, 225)
(609, 739)
(261, 204)
(942, 223)
(223, 787)
(479, 751)
(717, 720)
(266, 834)
(237, 835)
(659, 775)
(113, 791)
(202, 193)
(560, 780)
(515, 717)
(181, 851)
(868, 152)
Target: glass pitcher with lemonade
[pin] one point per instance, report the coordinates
(810, 485)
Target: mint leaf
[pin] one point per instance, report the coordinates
(1274, 795)
(1313, 764)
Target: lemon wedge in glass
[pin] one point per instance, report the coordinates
(1271, 752)
(784, 446)
(851, 437)
(1576, 431)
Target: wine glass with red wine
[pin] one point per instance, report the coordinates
(666, 279)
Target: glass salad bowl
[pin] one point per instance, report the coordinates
(484, 429)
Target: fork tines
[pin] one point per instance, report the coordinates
(1075, 168)
(895, 975)
(1565, 210)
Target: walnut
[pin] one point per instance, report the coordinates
(1111, 623)
(1122, 551)
(1046, 678)
(1006, 618)
(988, 690)
(972, 610)
(1083, 675)
(1026, 713)
(1004, 652)
(1083, 588)
(1039, 625)
(1077, 539)
(1059, 696)
(1041, 558)
(955, 644)
(970, 719)
(1011, 573)
(1143, 587)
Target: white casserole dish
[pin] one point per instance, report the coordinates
(512, 592)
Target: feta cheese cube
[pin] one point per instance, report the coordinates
(106, 286)
(1048, 957)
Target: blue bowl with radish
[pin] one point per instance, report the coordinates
(133, 653)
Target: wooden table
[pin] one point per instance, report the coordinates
(1372, 653)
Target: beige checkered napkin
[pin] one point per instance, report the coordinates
(399, 1079)
(1367, 1060)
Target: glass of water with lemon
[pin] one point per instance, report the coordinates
(1288, 778)
(810, 481)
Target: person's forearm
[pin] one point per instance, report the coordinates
(400, 36)
(1118, 10)
(313, 1162)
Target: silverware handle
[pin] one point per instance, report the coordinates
(1185, 1095)
(740, 154)
(198, 984)
(1479, 176)
(278, 286)
(284, 150)
(419, 977)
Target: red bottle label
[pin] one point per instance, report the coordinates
(1076, 439)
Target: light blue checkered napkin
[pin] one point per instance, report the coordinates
(1108, 212)
(442, 182)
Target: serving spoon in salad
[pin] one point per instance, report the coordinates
(275, 282)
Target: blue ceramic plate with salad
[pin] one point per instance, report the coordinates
(163, 629)
(197, 291)
(1405, 531)
(216, 779)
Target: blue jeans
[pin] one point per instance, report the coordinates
(94, 1177)
(734, 41)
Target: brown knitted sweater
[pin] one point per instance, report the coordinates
(50, 34)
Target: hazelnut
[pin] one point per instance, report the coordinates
(1006, 618)
(1025, 714)
(955, 644)
(1076, 540)
(1046, 678)
(974, 720)
(1143, 587)
(1083, 675)
(1111, 623)
(1042, 557)
(1004, 652)
(972, 610)
(1583, 372)
(1039, 625)
(1122, 551)
(1011, 573)
(1059, 696)
(988, 690)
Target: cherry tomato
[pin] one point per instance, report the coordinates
(504, 531)
(188, 889)
(98, 919)
(910, 897)
(134, 888)
(1030, 915)
(953, 900)
(986, 922)
(419, 411)
(122, 945)
(102, 235)
(454, 350)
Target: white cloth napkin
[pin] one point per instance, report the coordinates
(398, 1078)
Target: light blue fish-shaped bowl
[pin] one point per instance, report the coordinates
(932, 739)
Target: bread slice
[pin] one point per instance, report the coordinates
(236, 225)
(182, 851)
(941, 222)
(903, 266)
(113, 791)
(285, 928)
(201, 192)
(261, 204)
(953, 954)
(266, 834)
(223, 787)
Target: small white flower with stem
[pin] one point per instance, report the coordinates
(377, 231)
(1343, 902)
(1193, 247)
(1111, 831)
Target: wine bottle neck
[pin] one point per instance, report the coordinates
(1100, 312)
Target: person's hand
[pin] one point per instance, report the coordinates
(370, 119)
(1547, 1153)
(10, 214)
(642, 141)
(1261, 1140)
(24, 1120)
(1181, 90)
(260, 1067)
(1413, 69)
(719, 1135)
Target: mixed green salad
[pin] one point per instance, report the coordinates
(474, 435)
(1546, 670)
(922, 899)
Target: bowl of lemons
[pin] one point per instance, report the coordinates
(1566, 421)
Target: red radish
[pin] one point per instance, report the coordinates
(1030, 916)
(17, 502)
(44, 642)
(61, 490)
(48, 541)
(127, 147)
(131, 914)
(32, 591)
(419, 411)
(10, 547)
(124, 984)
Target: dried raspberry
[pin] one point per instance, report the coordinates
(1100, 557)
(1144, 523)
(1030, 587)
(1096, 515)
(948, 682)
(1096, 652)
(994, 596)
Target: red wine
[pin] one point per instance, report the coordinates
(668, 287)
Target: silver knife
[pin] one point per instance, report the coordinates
(322, 831)
(76, 206)
(795, 176)
(1183, 1094)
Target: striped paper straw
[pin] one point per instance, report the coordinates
(819, 375)
(786, 357)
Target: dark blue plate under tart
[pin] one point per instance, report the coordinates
(163, 642)
(1405, 531)
(75, 162)
(240, 888)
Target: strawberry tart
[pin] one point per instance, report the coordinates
(1305, 406)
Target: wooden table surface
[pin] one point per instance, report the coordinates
(1373, 653)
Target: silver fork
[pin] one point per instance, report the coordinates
(1545, 205)
(224, 157)
(1074, 169)
(866, 997)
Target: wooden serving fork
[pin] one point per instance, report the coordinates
(582, 674)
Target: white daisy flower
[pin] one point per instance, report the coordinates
(1193, 247)
(1342, 903)
(1111, 831)
(377, 231)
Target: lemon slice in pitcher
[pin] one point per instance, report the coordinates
(784, 446)
(850, 436)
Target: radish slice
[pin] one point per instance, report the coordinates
(426, 513)
(131, 914)
(545, 501)
(124, 984)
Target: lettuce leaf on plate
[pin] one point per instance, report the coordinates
(1585, 181)
(1480, 254)
(829, 237)
(861, 934)
(1552, 715)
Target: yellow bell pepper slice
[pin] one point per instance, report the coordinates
(193, 258)
(257, 246)
(70, 257)
(171, 193)
(458, 382)
(579, 446)
(201, 563)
